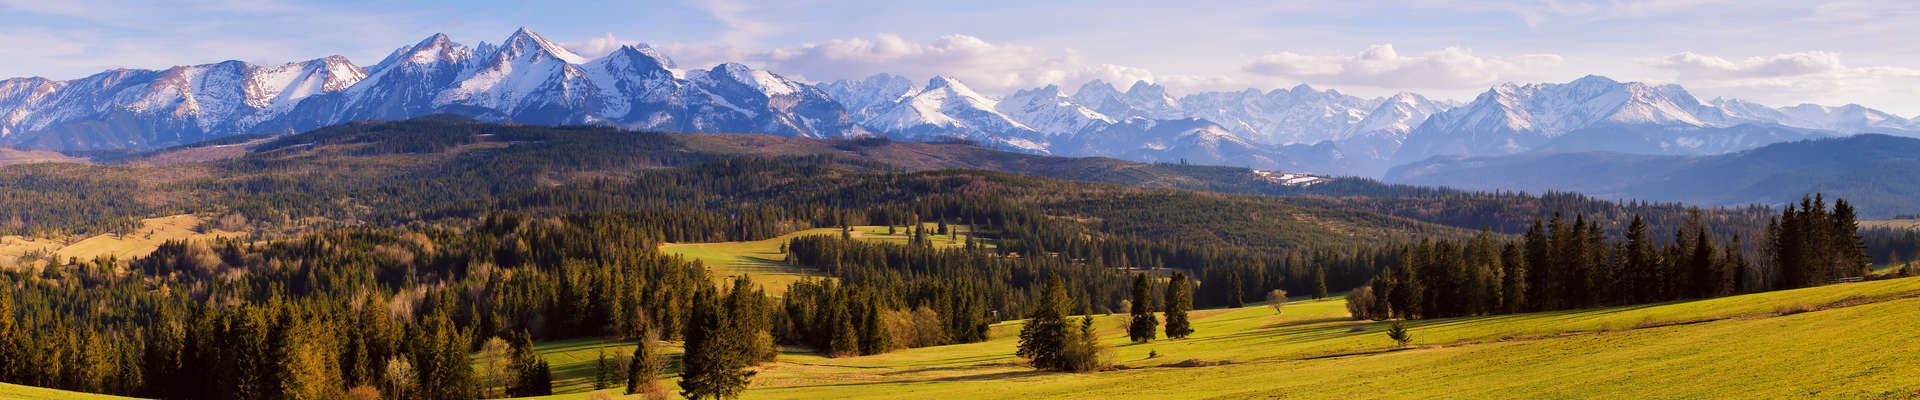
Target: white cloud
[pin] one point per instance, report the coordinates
(595, 47)
(742, 29)
(986, 66)
(1789, 78)
(1381, 66)
(1809, 65)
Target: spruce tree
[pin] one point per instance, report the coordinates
(1045, 337)
(644, 371)
(1398, 332)
(845, 338)
(1319, 282)
(602, 370)
(1178, 300)
(873, 333)
(1145, 325)
(714, 365)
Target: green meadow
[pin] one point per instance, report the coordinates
(764, 261)
(1841, 341)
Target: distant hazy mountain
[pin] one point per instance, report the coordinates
(1876, 172)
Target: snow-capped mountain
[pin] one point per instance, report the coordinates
(1050, 112)
(1140, 100)
(947, 107)
(867, 97)
(132, 108)
(1513, 118)
(528, 79)
(1301, 114)
(525, 79)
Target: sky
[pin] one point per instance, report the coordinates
(1767, 51)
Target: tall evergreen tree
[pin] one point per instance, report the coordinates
(1178, 300)
(644, 370)
(714, 366)
(1144, 326)
(1319, 282)
(1046, 335)
(874, 338)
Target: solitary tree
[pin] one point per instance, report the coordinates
(602, 371)
(1398, 332)
(1277, 299)
(1144, 323)
(1046, 335)
(1178, 302)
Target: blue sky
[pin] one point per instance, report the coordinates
(1773, 52)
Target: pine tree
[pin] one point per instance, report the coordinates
(1045, 337)
(1178, 301)
(714, 365)
(602, 370)
(873, 333)
(845, 339)
(644, 370)
(1850, 252)
(1319, 282)
(1398, 332)
(1144, 326)
(1705, 274)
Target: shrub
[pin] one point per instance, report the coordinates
(1360, 304)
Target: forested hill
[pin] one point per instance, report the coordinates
(1873, 171)
(428, 171)
(400, 172)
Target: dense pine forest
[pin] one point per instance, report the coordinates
(384, 253)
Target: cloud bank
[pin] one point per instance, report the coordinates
(1383, 67)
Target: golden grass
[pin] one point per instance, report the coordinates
(152, 233)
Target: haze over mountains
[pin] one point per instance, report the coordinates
(527, 79)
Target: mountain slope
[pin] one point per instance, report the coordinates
(1872, 171)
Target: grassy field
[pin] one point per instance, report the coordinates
(764, 262)
(16, 392)
(573, 362)
(1891, 224)
(152, 232)
(1842, 341)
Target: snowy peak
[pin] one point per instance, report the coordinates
(947, 107)
(432, 51)
(1143, 99)
(762, 81)
(524, 43)
(1395, 117)
(1048, 111)
(866, 97)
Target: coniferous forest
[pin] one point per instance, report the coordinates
(386, 253)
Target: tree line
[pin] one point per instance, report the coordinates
(1562, 264)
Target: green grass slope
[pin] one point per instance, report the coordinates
(765, 263)
(1840, 341)
(17, 392)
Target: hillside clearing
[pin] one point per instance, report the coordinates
(152, 233)
(764, 261)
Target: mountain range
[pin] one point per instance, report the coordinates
(1873, 171)
(528, 79)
